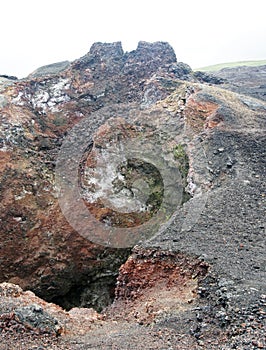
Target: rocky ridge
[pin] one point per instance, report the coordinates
(244, 80)
(199, 280)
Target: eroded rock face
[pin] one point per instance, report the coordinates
(153, 281)
(39, 249)
(158, 158)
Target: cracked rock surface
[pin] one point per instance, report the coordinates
(170, 168)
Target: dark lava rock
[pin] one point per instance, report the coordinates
(244, 80)
(209, 78)
(35, 318)
(208, 145)
(10, 77)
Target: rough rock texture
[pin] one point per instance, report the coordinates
(39, 249)
(244, 80)
(196, 165)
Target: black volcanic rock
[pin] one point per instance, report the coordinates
(244, 80)
(113, 70)
(10, 77)
(209, 78)
(188, 154)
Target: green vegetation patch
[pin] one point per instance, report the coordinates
(216, 67)
(182, 158)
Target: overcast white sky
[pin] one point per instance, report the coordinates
(202, 32)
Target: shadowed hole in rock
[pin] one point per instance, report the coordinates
(93, 288)
(97, 295)
(122, 195)
(96, 289)
(164, 279)
(120, 192)
(142, 183)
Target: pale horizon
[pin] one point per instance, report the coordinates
(202, 33)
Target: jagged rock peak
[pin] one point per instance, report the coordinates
(145, 51)
(159, 53)
(156, 51)
(103, 50)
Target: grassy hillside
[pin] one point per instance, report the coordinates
(219, 66)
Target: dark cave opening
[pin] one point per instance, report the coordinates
(96, 293)
(96, 287)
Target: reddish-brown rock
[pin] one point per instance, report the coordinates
(196, 162)
(39, 248)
